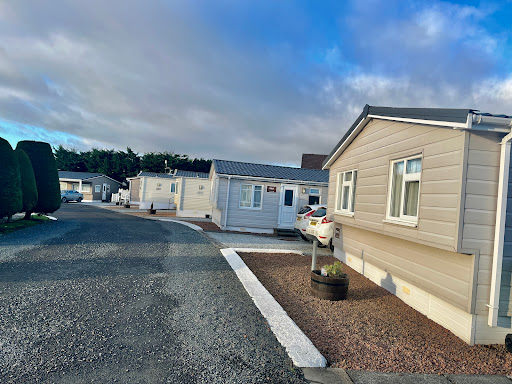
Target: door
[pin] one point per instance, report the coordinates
(288, 206)
(104, 192)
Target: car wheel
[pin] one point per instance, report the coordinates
(79, 200)
(64, 199)
(303, 237)
(331, 247)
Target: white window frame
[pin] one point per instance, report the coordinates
(170, 189)
(252, 197)
(86, 188)
(406, 177)
(340, 182)
(97, 188)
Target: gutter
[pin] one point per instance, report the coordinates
(272, 180)
(501, 216)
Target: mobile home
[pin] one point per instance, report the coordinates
(419, 201)
(262, 198)
(94, 186)
(192, 196)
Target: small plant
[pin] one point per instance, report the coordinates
(334, 270)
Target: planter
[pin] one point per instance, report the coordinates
(151, 211)
(329, 288)
(127, 205)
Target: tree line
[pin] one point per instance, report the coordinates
(120, 164)
(30, 181)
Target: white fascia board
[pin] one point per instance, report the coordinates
(448, 124)
(67, 179)
(348, 140)
(271, 180)
(95, 177)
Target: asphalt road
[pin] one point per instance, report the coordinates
(103, 297)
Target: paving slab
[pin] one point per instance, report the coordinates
(326, 376)
(367, 377)
(478, 379)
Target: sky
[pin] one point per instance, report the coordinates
(258, 81)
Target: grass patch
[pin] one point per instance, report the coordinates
(20, 224)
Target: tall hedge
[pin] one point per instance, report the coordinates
(10, 189)
(28, 181)
(46, 175)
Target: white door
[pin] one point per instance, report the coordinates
(288, 200)
(104, 194)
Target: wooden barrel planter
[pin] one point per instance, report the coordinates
(151, 211)
(127, 205)
(329, 288)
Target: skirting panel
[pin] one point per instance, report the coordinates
(443, 313)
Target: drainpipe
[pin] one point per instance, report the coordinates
(227, 203)
(499, 231)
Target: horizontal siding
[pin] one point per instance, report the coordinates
(371, 152)
(158, 191)
(193, 197)
(444, 274)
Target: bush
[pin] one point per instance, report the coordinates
(334, 270)
(28, 181)
(46, 175)
(10, 191)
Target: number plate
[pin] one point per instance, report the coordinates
(299, 218)
(312, 222)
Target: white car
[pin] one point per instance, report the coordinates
(302, 221)
(320, 228)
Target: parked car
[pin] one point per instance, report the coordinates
(302, 220)
(71, 195)
(320, 227)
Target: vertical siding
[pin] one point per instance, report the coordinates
(441, 179)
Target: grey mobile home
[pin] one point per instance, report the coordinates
(260, 198)
(94, 186)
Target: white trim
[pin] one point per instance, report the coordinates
(298, 346)
(400, 222)
(351, 191)
(448, 124)
(253, 190)
(273, 180)
(499, 231)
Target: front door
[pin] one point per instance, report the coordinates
(104, 192)
(288, 206)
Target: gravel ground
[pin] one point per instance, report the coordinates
(101, 297)
(373, 329)
(244, 240)
(207, 226)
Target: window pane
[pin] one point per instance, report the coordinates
(314, 191)
(353, 192)
(338, 198)
(346, 191)
(319, 212)
(257, 196)
(411, 198)
(314, 199)
(413, 166)
(396, 189)
(173, 188)
(304, 210)
(288, 197)
(245, 195)
(348, 176)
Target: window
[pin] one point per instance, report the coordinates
(97, 188)
(404, 193)
(86, 188)
(314, 196)
(75, 186)
(346, 191)
(173, 188)
(251, 196)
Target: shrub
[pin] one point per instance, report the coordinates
(46, 175)
(28, 181)
(334, 270)
(10, 190)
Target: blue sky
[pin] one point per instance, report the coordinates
(261, 81)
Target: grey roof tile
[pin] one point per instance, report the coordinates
(270, 171)
(78, 175)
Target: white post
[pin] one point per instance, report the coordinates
(313, 258)
(80, 186)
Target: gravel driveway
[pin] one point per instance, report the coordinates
(103, 297)
(245, 240)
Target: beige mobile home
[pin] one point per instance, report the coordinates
(192, 194)
(153, 188)
(262, 198)
(419, 201)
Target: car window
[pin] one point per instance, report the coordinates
(320, 212)
(304, 209)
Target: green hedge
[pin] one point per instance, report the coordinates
(28, 181)
(10, 190)
(46, 175)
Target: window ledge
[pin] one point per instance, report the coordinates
(400, 222)
(348, 214)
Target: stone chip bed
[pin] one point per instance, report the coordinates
(372, 330)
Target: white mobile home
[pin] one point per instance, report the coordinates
(153, 188)
(192, 196)
(261, 198)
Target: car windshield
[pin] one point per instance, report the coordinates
(304, 210)
(320, 212)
